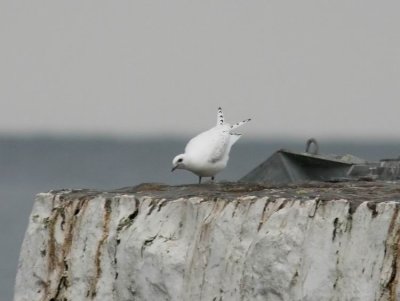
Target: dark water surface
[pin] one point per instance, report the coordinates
(32, 165)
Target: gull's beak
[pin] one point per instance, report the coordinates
(173, 168)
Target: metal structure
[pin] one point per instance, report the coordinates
(389, 169)
(285, 166)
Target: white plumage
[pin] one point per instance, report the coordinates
(208, 153)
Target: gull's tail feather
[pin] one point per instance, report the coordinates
(220, 117)
(236, 125)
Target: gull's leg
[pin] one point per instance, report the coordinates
(199, 180)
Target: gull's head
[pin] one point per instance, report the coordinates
(178, 162)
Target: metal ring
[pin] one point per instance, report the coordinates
(316, 146)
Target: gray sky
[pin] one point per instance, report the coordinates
(298, 68)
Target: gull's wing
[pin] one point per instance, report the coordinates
(223, 147)
(220, 148)
(220, 117)
(236, 125)
(210, 146)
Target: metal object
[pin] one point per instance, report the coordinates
(389, 169)
(285, 167)
(310, 142)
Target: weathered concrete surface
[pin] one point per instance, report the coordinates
(214, 242)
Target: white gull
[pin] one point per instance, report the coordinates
(208, 153)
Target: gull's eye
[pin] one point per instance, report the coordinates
(180, 160)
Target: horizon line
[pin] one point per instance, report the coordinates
(153, 136)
